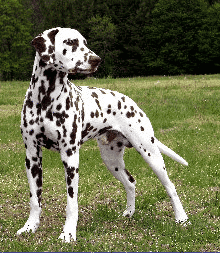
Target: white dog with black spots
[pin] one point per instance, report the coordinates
(61, 116)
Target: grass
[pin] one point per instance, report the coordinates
(185, 114)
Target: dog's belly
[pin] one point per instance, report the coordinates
(48, 143)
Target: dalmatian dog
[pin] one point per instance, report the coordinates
(61, 116)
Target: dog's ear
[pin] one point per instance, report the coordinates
(44, 44)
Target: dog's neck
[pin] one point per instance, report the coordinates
(47, 75)
(47, 81)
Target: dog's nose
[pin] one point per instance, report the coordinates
(94, 60)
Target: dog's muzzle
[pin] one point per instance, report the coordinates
(93, 61)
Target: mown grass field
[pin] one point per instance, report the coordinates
(185, 114)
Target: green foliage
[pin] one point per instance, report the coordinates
(178, 37)
(15, 49)
(209, 50)
(133, 37)
(62, 13)
(102, 37)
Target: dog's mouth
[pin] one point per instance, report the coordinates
(93, 62)
(82, 71)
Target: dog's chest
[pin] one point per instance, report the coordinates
(50, 111)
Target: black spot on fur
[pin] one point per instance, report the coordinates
(119, 105)
(35, 170)
(70, 174)
(39, 196)
(61, 76)
(39, 44)
(42, 64)
(102, 91)
(34, 159)
(96, 113)
(74, 130)
(59, 106)
(76, 102)
(58, 135)
(29, 103)
(67, 103)
(49, 115)
(39, 193)
(31, 132)
(104, 130)
(87, 130)
(51, 77)
(130, 178)
(51, 49)
(94, 95)
(51, 35)
(74, 43)
(27, 161)
(70, 191)
(61, 117)
(97, 102)
(69, 152)
(45, 58)
(119, 144)
(34, 80)
(31, 122)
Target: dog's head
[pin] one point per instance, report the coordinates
(66, 50)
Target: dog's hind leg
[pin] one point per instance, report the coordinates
(112, 151)
(151, 154)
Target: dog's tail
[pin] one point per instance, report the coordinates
(169, 152)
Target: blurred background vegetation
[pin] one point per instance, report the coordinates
(133, 37)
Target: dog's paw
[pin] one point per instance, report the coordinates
(184, 222)
(67, 236)
(128, 212)
(30, 225)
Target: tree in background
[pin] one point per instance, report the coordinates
(133, 37)
(15, 48)
(102, 40)
(208, 52)
(175, 36)
(67, 13)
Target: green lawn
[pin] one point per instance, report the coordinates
(185, 114)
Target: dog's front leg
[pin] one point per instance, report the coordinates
(71, 165)
(34, 174)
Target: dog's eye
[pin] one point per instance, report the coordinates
(70, 42)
